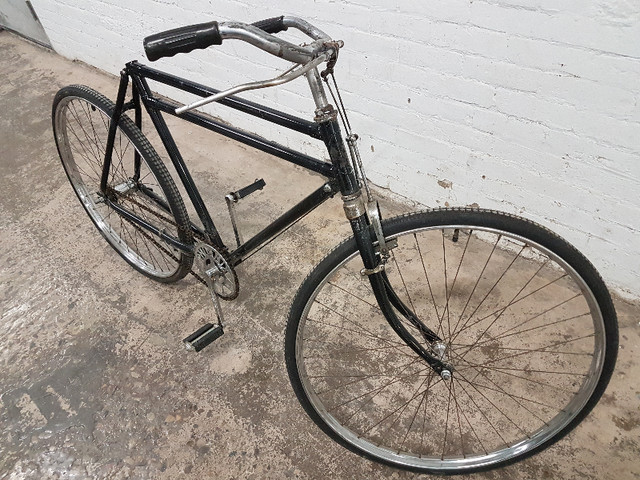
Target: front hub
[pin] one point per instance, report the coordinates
(439, 349)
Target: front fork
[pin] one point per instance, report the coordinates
(367, 229)
(367, 234)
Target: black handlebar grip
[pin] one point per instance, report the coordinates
(182, 40)
(271, 25)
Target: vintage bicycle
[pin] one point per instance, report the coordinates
(444, 341)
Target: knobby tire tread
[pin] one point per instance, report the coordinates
(157, 167)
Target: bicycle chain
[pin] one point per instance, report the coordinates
(161, 247)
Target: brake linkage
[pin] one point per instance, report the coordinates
(335, 45)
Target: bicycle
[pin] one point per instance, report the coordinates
(442, 341)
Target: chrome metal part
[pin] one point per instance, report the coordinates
(305, 27)
(125, 187)
(231, 203)
(216, 301)
(353, 196)
(440, 349)
(275, 45)
(373, 213)
(352, 140)
(325, 114)
(389, 244)
(317, 90)
(269, 43)
(354, 206)
(370, 271)
(285, 77)
(327, 187)
(218, 274)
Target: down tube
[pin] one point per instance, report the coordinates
(282, 223)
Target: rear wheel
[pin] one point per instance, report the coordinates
(522, 317)
(81, 118)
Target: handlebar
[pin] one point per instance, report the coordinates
(287, 76)
(259, 34)
(271, 25)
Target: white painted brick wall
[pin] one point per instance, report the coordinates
(525, 106)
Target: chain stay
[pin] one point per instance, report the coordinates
(196, 235)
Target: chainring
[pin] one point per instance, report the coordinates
(219, 274)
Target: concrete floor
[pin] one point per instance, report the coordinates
(95, 381)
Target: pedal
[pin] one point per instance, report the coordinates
(259, 184)
(212, 266)
(233, 197)
(203, 337)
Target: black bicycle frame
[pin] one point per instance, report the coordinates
(338, 172)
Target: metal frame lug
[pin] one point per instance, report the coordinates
(354, 206)
(325, 114)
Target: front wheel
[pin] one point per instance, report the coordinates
(523, 318)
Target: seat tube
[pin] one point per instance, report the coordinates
(113, 126)
(137, 161)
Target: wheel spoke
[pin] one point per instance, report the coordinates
(82, 126)
(521, 336)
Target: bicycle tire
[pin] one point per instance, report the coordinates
(81, 118)
(528, 324)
